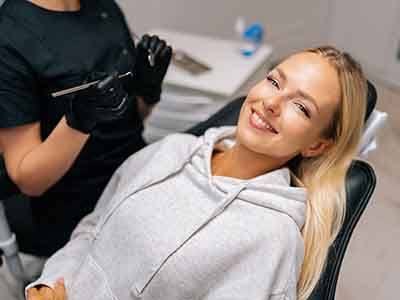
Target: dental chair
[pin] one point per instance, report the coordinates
(360, 184)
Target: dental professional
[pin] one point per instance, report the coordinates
(244, 212)
(62, 151)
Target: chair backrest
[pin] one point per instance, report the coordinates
(360, 184)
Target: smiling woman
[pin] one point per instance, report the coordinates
(308, 114)
(244, 212)
(296, 102)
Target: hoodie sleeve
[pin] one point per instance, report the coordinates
(65, 262)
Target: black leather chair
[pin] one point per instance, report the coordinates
(360, 184)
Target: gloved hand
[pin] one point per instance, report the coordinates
(103, 102)
(148, 79)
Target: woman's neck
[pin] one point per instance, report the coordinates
(240, 162)
(58, 5)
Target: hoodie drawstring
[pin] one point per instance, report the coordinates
(218, 210)
(225, 203)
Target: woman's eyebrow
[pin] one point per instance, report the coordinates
(303, 94)
(308, 97)
(281, 74)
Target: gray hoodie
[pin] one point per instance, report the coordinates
(165, 228)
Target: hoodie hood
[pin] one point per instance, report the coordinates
(271, 190)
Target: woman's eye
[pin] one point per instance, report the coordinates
(303, 109)
(273, 81)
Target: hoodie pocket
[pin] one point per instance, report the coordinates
(90, 283)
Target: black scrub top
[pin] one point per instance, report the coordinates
(43, 51)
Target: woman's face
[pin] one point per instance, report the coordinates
(285, 114)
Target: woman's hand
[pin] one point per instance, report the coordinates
(46, 293)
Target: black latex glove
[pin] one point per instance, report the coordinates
(148, 79)
(104, 102)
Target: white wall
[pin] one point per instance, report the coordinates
(370, 31)
(290, 25)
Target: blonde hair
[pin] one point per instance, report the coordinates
(324, 175)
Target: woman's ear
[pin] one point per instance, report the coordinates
(317, 148)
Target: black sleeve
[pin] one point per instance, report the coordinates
(19, 102)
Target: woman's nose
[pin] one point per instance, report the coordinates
(272, 105)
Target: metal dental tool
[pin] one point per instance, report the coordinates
(84, 86)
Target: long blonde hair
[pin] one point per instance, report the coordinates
(324, 175)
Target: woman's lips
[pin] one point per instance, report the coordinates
(258, 121)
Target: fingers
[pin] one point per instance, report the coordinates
(166, 53)
(41, 293)
(159, 47)
(46, 293)
(59, 290)
(154, 41)
(145, 42)
(154, 44)
(33, 294)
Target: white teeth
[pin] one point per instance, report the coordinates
(258, 121)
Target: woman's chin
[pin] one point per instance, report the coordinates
(258, 141)
(250, 139)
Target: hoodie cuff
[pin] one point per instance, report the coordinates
(49, 282)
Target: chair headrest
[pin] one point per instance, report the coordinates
(371, 99)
